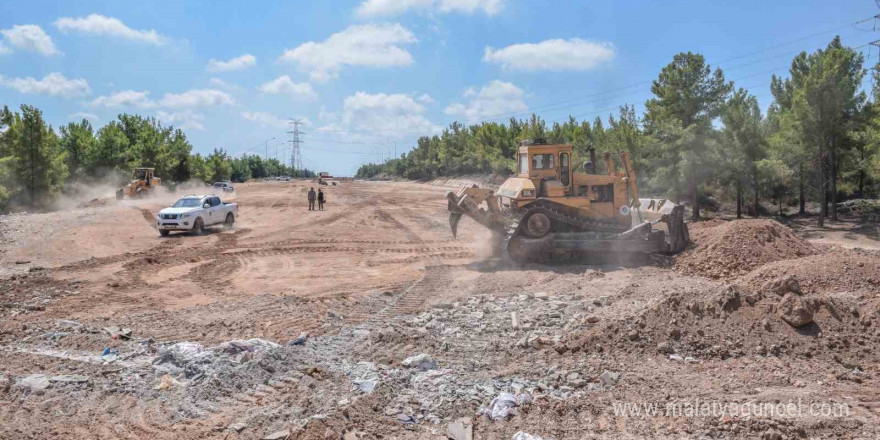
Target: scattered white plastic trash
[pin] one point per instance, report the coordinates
(501, 407)
(525, 436)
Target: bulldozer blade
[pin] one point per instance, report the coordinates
(454, 218)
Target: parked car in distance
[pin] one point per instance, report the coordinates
(224, 185)
(195, 213)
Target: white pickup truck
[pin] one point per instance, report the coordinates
(195, 213)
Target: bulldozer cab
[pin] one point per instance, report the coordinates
(143, 182)
(144, 174)
(545, 171)
(548, 167)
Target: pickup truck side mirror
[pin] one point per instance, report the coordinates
(206, 205)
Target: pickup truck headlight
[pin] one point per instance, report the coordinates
(528, 193)
(184, 215)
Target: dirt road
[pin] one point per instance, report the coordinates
(373, 280)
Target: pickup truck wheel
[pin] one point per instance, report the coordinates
(230, 221)
(164, 232)
(198, 227)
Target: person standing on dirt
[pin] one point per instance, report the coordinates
(312, 199)
(320, 199)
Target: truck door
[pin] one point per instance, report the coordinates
(214, 211)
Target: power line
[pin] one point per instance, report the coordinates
(296, 157)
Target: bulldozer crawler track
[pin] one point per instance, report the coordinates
(579, 224)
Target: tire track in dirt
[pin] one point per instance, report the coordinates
(388, 218)
(413, 299)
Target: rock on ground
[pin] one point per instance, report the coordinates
(794, 310)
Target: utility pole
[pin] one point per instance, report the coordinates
(295, 141)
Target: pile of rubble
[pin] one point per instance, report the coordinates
(732, 249)
(833, 271)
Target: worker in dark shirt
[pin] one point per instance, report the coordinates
(320, 199)
(312, 199)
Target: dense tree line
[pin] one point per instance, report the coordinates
(703, 140)
(37, 164)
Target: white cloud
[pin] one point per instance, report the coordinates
(326, 116)
(97, 24)
(551, 55)
(53, 84)
(124, 98)
(190, 98)
(374, 8)
(425, 98)
(370, 45)
(187, 119)
(237, 63)
(196, 98)
(284, 86)
(219, 83)
(264, 119)
(29, 37)
(394, 115)
(79, 116)
(494, 100)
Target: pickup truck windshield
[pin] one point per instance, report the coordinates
(186, 203)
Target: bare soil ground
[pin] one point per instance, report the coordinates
(376, 279)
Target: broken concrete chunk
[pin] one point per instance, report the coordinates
(353, 435)
(237, 427)
(366, 385)
(70, 378)
(422, 361)
(514, 320)
(300, 340)
(35, 382)
(280, 435)
(609, 378)
(118, 333)
(461, 429)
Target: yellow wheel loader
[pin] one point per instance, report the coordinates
(143, 183)
(548, 209)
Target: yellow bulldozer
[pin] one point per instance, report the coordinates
(548, 209)
(143, 183)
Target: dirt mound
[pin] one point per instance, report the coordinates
(836, 270)
(734, 248)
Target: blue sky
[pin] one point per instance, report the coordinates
(365, 75)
